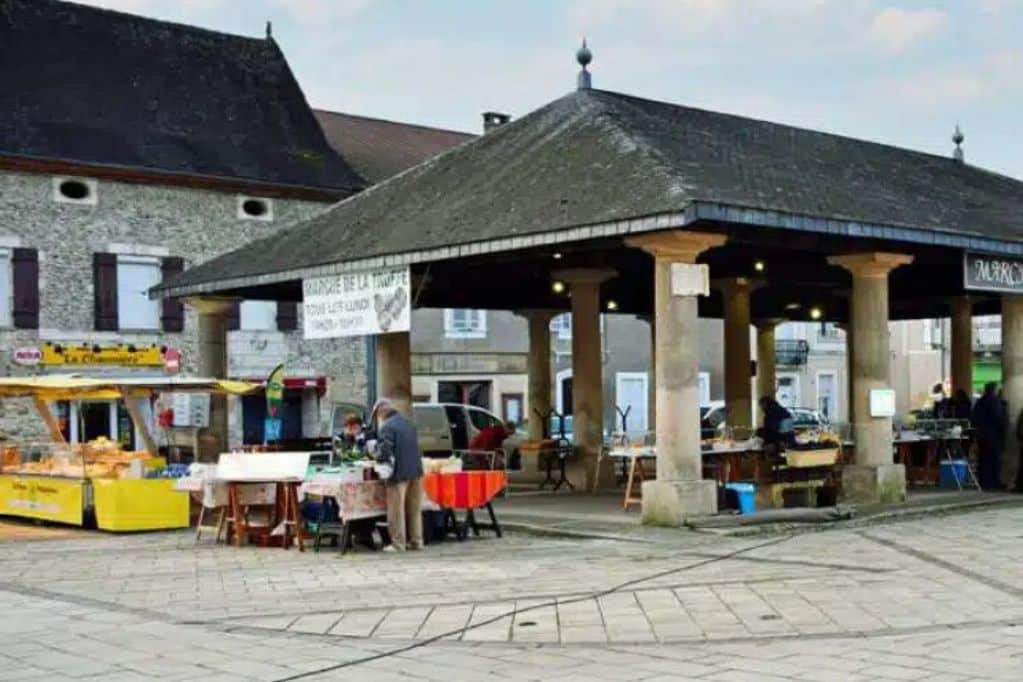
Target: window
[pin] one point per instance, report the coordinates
(562, 324)
(6, 289)
(463, 323)
(632, 398)
(136, 275)
(255, 208)
(482, 420)
(75, 191)
(258, 315)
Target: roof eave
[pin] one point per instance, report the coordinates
(694, 211)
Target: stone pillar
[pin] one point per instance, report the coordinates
(538, 366)
(873, 477)
(212, 363)
(767, 380)
(1012, 380)
(394, 370)
(587, 365)
(651, 384)
(679, 491)
(735, 294)
(962, 344)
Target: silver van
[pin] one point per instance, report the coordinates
(442, 427)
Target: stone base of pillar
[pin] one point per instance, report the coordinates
(670, 503)
(866, 484)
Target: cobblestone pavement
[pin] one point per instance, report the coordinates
(935, 599)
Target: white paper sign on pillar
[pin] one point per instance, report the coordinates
(357, 303)
(690, 279)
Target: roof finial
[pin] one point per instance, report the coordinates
(584, 57)
(269, 30)
(958, 138)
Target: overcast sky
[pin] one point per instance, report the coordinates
(902, 72)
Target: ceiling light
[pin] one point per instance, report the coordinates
(759, 266)
(816, 313)
(558, 287)
(557, 256)
(792, 306)
(612, 305)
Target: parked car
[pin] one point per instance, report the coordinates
(712, 419)
(442, 427)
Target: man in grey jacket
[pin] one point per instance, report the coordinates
(398, 447)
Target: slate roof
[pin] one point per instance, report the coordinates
(378, 149)
(592, 157)
(94, 86)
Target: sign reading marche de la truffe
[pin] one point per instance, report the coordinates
(357, 303)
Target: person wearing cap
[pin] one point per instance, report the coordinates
(402, 466)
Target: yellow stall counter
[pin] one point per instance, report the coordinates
(42, 497)
(138, 504)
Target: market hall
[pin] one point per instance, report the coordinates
(601, 202)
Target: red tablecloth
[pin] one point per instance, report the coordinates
(465, 489)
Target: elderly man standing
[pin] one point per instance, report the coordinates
(398, 450)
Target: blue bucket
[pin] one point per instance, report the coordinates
(952, 471)
(745, 495)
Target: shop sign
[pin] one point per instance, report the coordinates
(985, 272)
(690, 279)
(124, 355)
(41, 498)
(28, 355)
(172, 361)
(357, 303)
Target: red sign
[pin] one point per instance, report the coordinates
(29, 355)
(172, 361)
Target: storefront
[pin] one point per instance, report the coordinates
(300, 415)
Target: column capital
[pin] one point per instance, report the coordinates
(873, 264)
(585, 275)
(212, 305)
(681, 246)
(732, 285)
(541, 313)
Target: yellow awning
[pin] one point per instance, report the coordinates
(77, 387)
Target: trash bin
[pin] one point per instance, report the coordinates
(954, 473)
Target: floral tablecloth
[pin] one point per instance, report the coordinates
(212, 493)
(356, 499)
(464, 489)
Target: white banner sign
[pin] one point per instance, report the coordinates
(357, 304)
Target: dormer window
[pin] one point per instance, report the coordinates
(69, 190)
(255, 208)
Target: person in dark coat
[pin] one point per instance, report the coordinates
(778, 429)
(990, 422)
(398, 448)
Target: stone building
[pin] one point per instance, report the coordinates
(131, 149)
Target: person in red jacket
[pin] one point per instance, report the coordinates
(492, 437)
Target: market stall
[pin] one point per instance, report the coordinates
(99, 482)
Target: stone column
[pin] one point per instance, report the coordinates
(873, 478)
(212, 363)
(587, 365)
(394, 370)
(1012, 380)
(538, 366)
(679, 491)
(767, 380)
(735, 294)
(962, 344)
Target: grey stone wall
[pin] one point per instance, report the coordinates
(148, 220)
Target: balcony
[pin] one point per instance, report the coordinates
(790, 352)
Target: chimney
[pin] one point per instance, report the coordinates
(958, 138)
(494, 119)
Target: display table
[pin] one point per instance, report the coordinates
(346, 499)
(632, 459)
(468, 491)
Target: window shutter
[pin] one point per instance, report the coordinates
(104, 280)
(25, 266)
(287, 316)
(234, 317)
(172, 312)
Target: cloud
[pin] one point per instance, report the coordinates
(317, 12)
(895, 30)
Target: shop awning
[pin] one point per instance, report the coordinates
(80, 387)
